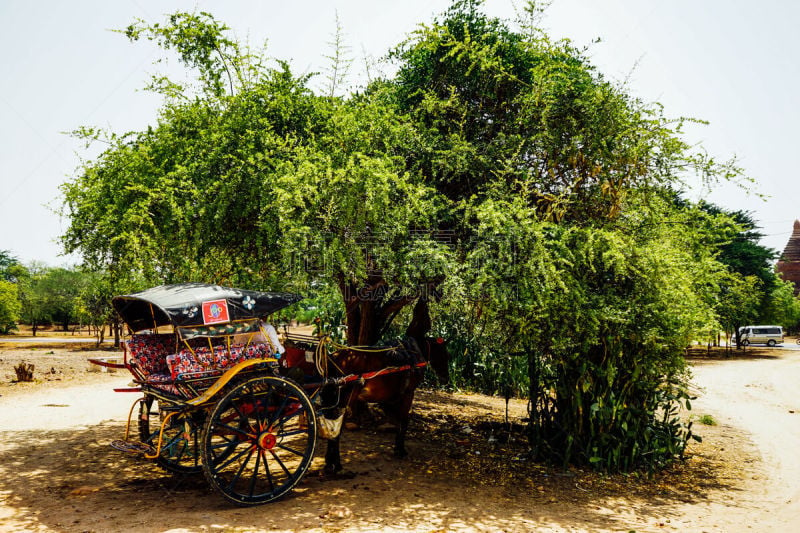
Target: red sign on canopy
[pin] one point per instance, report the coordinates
(215, 312)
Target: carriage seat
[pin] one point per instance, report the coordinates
(155, 359)
(148, 359)
(202, 361)
(148, 354)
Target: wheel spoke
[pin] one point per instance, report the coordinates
(293, 432)
(242, 416)
(254, 477)
(278, 425)
(238, 412)
(176, 446)
(233, 459)
(283, 466)
(238, 474)
(255, 414)
(180, 437)
(284, 447)
(234, 430)
(174, 439)
(279, 411)
(196, 445)
(269, 401)
(226, 444)
(266, 469)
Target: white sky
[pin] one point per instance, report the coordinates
(731, 62)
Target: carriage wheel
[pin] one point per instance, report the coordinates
(180, 442)
(259, 440)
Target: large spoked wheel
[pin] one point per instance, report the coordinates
(180, 441)
(259, 440)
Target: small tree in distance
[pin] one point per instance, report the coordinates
(10, 307)
(11, 271)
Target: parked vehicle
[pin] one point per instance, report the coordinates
(769, 335)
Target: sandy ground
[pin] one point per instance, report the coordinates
(57, 472)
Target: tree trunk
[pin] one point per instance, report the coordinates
(738, 333)
(420, 324)
(535, 417)
(116, 333)
(100, 335)
(370, 308)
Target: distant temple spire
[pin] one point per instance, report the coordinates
(789, 263)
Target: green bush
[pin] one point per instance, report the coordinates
(10, 307)
(707, 420)
(600, 319)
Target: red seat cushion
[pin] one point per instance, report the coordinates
(148, 353)
(163, 382)
(203, 361)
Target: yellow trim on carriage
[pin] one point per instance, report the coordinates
(225, 378)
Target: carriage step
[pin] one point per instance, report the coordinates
(132, 447)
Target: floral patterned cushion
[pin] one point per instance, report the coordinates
(148, 353)
(164, 382)
(203, 361)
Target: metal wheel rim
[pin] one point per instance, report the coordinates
(259, 440)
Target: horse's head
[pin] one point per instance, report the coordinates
(439, 358)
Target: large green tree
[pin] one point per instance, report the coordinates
(509, 111)
(752, 292)
(496, 168)
(260, 183)
(559, 186)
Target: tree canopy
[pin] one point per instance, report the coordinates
(497, 176)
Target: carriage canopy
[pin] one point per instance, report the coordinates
(197, 304)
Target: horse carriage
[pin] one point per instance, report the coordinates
(217, 396)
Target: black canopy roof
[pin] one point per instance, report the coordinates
(197, 304)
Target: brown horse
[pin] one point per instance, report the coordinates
(393, 390)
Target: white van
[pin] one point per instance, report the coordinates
(769, 335)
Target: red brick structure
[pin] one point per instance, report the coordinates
(789, 264)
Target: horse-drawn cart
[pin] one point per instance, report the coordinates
(218, 398)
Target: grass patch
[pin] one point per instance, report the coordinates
(707, 420)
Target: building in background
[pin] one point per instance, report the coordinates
(789, 263)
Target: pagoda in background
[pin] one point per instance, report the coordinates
(789, 263)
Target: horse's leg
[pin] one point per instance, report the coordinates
(331, 396)
(400, 440)
(355, 417)
(333, 459)
(401, 410)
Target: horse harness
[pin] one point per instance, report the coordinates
(405, 357)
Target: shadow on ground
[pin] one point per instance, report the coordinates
(73, 481)
(718, 353)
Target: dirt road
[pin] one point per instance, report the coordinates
(57, 472)
(760, 397)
